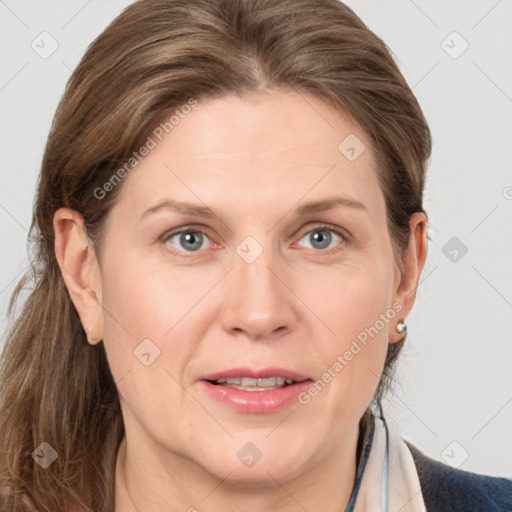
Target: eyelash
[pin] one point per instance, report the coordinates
(318, 227)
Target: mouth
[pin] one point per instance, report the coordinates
(255, 391)
(249, 384)
(250, 379)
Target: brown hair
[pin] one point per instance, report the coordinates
(154, 57)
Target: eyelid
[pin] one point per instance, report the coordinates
(343, 233)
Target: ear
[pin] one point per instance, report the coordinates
(80, 270)
(413, 261)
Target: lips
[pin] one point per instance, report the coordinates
(253, 399)
(255, 374)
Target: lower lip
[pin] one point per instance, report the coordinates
(256, 401)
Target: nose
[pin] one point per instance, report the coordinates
(258, 300)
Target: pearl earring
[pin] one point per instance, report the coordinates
(401, 327)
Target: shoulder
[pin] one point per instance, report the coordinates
(454, 490)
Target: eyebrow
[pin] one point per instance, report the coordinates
(206, 212)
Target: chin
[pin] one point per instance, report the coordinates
(262, 477)
(257, 473)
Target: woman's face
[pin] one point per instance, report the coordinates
(256, 285)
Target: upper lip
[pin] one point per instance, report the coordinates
(256, 374)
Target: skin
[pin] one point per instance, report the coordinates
(253, 161)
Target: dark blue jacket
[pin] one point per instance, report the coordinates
(446, 489)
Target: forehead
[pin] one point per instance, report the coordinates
(271, 149)
(274, 122)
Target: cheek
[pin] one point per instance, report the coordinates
(148, 337)
(147, 302)
(137, 313)
(357, 307)
(356, 296)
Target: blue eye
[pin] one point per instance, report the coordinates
(321, 237)
(189, 240)
(192, 240)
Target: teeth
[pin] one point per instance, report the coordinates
(247, 382)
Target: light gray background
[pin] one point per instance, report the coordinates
(454, 387)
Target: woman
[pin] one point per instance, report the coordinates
(230, 236)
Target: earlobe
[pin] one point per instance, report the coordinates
(413, 261)
(80, 270)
